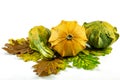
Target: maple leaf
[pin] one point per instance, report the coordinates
(47, 67)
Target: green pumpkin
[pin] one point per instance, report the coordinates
(100, 34)
(38, 37)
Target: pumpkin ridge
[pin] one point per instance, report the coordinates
(57, 42)
(73, 31)
(63, 52)
(73, 51)
(79, 43)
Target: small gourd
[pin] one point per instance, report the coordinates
(68, 38)
(38, 37)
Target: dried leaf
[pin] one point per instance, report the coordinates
(45, 67)
(18, 46)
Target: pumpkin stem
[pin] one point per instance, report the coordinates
(69, 37)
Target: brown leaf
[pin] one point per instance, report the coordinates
(45, 67)
(18, 46)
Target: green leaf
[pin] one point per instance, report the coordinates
(84, 61)
(88, 58)
(97, 52)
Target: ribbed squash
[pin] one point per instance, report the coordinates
(68, 38)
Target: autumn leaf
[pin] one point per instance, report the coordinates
(35, 56)
(47, 67)
(18, 46)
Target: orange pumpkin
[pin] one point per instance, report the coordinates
(68, 38)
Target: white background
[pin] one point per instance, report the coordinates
(17, 17)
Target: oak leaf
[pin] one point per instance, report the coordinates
(35, 56)
(47, 67)
(18, 46)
